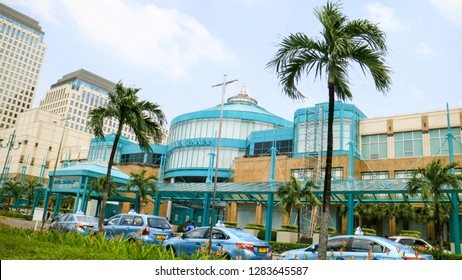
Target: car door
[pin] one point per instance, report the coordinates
(192, 241)
(219, 239)
(110, 225)
(126, 226)
(337, 248)
(362, 248)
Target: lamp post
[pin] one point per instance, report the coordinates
(10, 145)
(48, 191)
(218, 153)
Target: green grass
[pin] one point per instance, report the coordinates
(25, 244)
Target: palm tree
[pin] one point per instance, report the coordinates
(430, 181)
(342, 42)
(144, 184)
(146, 119)
(15, 189)
(96, 188)
(31, 186)
(293, 195)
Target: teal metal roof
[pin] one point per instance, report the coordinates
(94, 170)
(366, 191)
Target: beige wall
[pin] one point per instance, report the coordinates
(40, 133)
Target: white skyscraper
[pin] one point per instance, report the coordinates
(22, 51)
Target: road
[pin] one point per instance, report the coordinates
(21, 223)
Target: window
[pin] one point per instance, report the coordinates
(374, 146)
(408, 144)
(374, 175)
(303, 174)
(439, 143)
(406, 174)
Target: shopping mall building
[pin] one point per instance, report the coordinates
(257, 152)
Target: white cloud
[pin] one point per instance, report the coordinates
(449, 9)
(383, 15)
(162, 39)
(424, 49)
(146, 35)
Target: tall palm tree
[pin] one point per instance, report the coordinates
(145, 118)
(341, 43)
(30, 187)
(144, 184)
(293, 195)
(430, 181)
(15, 189)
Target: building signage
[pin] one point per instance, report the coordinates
(192, 143)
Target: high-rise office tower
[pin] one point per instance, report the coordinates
(22, 51)
(75, 95)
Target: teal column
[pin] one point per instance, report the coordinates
(157, 204)
(84, 196)
(210, 169)
(137, 200)
(59, 199)
(77, 196)
(160, 176)
(454, 197)
(205, 211)
(351, 161)
(351, 214)
(23, 170)
(272, 164)
(37, 194)
(269, 217)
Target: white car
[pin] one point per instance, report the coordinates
(411, 241)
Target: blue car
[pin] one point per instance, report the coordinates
(230, 243)
(78, 223)
(357, 247)
(149, 229)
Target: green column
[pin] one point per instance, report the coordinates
(269, 217)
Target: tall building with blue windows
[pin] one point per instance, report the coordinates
(22, 51)
(75, 95)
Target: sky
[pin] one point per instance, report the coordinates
(176, 50)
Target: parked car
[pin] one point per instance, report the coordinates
(411, 241)
(358, 247)
(148, 228)
(232, 243)
(75, 222)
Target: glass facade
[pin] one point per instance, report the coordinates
(374, 146)
(439, 141)
(408, 144)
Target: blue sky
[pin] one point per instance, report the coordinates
(175, 50)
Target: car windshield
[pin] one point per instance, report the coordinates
(87, 219)
(158, 223)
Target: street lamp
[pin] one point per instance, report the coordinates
(48, 191)
(10, 145)
(218, 153)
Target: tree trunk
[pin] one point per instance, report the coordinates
(439, 231)
(107, 184)
(298, 224)
(325, 215)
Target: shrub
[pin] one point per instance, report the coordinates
(413, 233)
(261, 235)
(330, 230)
(289, 228)
(230, 224)
(369, 231)
(255, 226)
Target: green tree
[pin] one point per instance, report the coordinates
(31, 186)
(293, 195)
(146, 119)
(144, 184)
(341, 43)
(96, 188)
(430, 181)
(15, 189)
